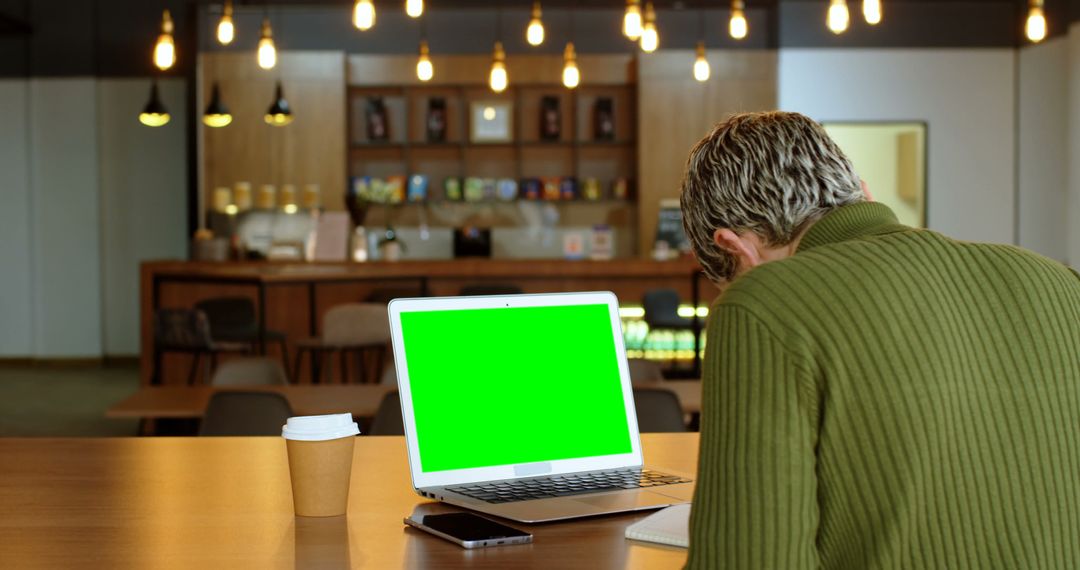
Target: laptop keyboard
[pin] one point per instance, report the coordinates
(566, 485)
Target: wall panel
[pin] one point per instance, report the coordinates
(16, 262)
(675, 111)
(1044, 151)
(143, 198)
(65, 217)
(310, 150)
(967, 99)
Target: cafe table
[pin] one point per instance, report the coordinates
(227, 503)
(361, 400)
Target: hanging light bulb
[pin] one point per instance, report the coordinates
(871, 11)
(571, 75)
(737, 26)
(424, 70)
(363, 16)
(414, 8)
(701, 65)
(838, 17)
(650, 37)
(217, 114)
(534, 34)
(226, 31)
(165, 48)
(631, 24)
(1035, 27)
(154, 114)
(279, 114)
(498, 78)
(267, 52)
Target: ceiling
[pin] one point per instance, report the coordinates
(586, 4)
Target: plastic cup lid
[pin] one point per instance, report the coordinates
(319, 428)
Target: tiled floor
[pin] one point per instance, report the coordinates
(64, 402)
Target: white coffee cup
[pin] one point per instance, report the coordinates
(320, 450)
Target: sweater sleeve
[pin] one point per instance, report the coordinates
(755, 505)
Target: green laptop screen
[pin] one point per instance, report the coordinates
(514, 385)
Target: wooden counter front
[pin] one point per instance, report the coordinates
(296, 295)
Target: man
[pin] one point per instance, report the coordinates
(875, 396)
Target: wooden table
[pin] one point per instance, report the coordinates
(226, 503)
(361, 400)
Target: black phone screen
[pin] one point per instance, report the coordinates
(467, 526)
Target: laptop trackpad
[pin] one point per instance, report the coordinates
(626, 501)
(682, 493)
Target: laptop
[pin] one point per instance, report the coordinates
(520, 406)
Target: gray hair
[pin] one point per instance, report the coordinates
(772, 174)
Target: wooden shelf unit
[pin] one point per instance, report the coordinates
(576, 153)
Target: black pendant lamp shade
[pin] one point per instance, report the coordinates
(279, 114)
(154, 114)
(217, 114)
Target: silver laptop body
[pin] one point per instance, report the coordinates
(478, 437)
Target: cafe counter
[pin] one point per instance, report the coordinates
(292, 297)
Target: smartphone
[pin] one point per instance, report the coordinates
(468, 530)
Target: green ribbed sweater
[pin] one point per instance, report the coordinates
(891, 398)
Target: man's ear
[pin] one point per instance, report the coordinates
(866, 190)
(745, 250)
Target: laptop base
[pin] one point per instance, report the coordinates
(564, 508)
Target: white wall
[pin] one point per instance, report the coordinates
(87, 193)
(965, 96)
(1044, 147)
(64, 217)
(16, 267)
(1072, 234)
(143, 199)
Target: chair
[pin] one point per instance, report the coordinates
(256, 370)
(350, 329)
(662, 310)
(658, 411)
(388, 420)
(244, 414)
(188, 331)
(389, 375)
(489, 289)
(645, 371)
(233, 319)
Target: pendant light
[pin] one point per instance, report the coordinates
(498, 77)
(279, 114)
(414, 8)
(154, 114)
(838, 17)
(267, 54)
(534, 34)
(217, 114)
(650, 37)
(165, 48)
(701, 64)
(737, 26)
(631, 26)
(571, 75)
(363, 15)
(424, 69)
(871, 11)
(1035, 27)
(226, 31)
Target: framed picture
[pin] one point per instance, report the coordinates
(491, 121)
